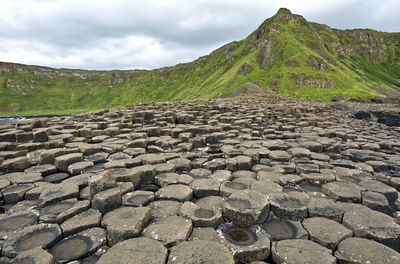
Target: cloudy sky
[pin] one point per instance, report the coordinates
(147, 34)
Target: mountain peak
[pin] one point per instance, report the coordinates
(284, 15)
(283, 11)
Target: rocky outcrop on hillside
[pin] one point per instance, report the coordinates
(46, 71)
(249, 178)
(365, 43)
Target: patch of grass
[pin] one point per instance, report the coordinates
(47, 112)
(286, 46)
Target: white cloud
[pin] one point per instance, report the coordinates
(127, 34)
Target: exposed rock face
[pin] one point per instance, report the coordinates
(238, 180)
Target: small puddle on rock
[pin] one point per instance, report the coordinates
(36, 239)
(240, 236)
(17, 222)
(279, 229)
(71, 248)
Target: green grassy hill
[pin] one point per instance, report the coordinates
(285, 54)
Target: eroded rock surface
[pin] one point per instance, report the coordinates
(251, 179)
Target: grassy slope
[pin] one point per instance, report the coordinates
(293, 45)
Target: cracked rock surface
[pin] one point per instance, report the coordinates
(250, 179)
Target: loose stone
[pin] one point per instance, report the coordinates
(176, 192)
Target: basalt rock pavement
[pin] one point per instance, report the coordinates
(248, 179)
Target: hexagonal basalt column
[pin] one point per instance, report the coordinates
(201, 217)
(79, 245)
(288, 207)
(142, 250)
(229, 187)
(326, 232)
(246, 244)
(324, 208)
(368, 223)
(200, 251)
(301, 251)
(170, 231)
(246, 208)
(280, 229)
(125, 222)
(42, 235)
(360, 250)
